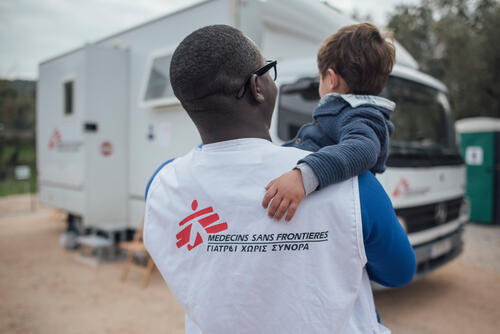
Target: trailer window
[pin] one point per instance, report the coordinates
(158, 88)
(68, 97)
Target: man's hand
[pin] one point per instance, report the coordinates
(286, 193)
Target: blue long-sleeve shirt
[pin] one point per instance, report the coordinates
(390, 257)
(349, 136)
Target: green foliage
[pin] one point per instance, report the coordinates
(17, 129)
(17, 104)
(456, 41)
(26, 156)
(10, 186)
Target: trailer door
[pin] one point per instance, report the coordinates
(105, 136)
(60, 151)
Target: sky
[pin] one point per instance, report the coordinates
(35, 30)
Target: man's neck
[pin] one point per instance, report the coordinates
(230, 135)
(235, 122)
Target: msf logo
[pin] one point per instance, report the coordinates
(204, 217)
(55, 139)
(401, 188)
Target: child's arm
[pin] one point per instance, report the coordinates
(286, 192)
(289, 190)
(357, 151)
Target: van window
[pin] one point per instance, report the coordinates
(421, 119)
(295, 106)
(158, 88)
(423, 135)
(68, 88)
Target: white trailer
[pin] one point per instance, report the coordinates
(107, 117)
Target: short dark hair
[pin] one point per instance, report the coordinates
(216, 59)
(362, 57)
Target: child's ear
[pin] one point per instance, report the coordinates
(337, 83)
(333, 79)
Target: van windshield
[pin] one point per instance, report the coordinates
(423, 135)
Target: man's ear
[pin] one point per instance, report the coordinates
(256, 88)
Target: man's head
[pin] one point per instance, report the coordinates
(356, 60)
(208, 69)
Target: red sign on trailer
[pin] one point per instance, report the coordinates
(106, 148)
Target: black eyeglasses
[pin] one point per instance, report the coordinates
(271, 64)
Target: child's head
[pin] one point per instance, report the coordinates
(355, 60)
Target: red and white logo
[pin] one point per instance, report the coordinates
(57, 143)
(54, 139)
(401, 187)
(206, 218)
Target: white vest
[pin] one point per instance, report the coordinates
(233, 269)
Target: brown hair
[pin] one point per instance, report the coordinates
(362, 57)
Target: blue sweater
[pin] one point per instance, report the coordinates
(349, 136)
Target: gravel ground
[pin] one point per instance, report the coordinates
(46, 289)
(461, 297)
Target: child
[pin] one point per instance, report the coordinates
(351, 127)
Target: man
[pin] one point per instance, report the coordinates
(234, 269)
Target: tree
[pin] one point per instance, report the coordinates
(17, 104)
(457, 42)
(17, 116)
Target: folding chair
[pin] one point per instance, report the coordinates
(134, 247)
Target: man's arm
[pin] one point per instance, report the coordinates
(391, 260)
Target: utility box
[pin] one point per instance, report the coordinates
(480, 146)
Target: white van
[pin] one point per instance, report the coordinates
(107, 118)
(425, 178)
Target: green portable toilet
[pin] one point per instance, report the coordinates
(480, 147)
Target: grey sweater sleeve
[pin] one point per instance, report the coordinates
(309, 178)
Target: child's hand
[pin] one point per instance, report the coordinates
(287, 191)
